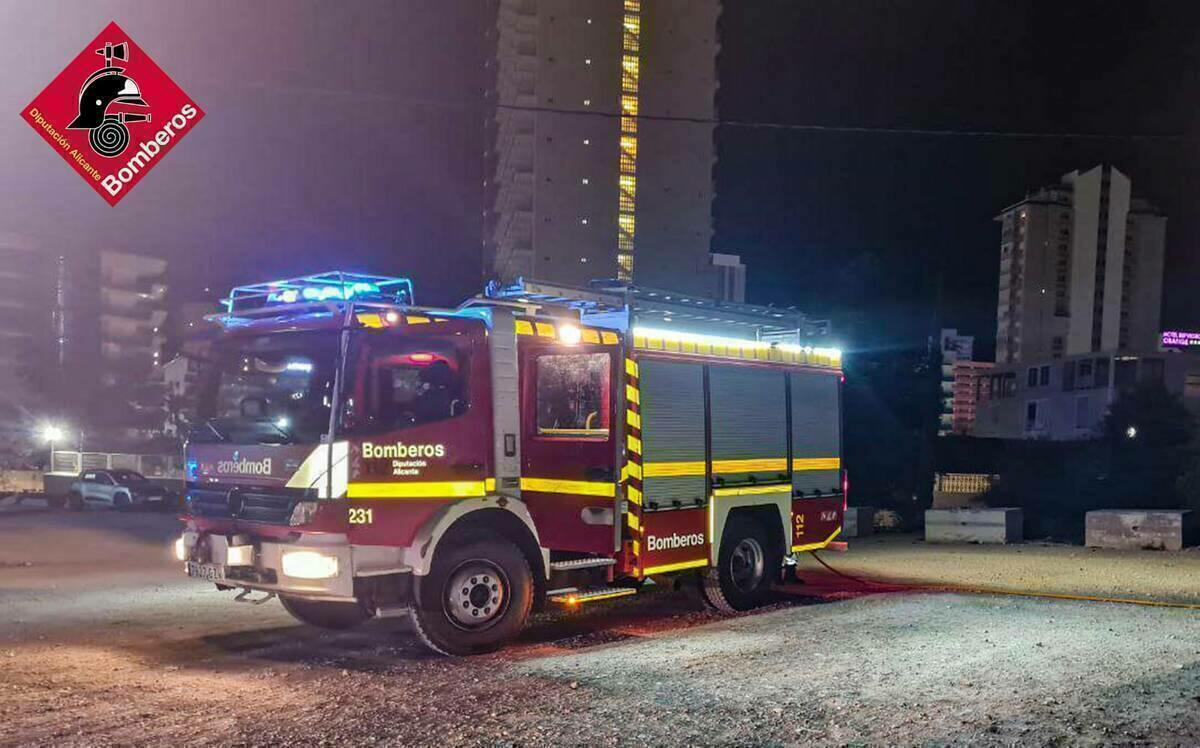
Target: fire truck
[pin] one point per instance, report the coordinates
(358, 455)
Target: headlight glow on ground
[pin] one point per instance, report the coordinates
(309, 565)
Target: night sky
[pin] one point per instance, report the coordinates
(350, 134)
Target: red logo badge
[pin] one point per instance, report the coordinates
(112, 114)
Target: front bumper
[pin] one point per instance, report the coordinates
(259, 564)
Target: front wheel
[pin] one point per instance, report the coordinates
(476, 597)
(745, 568)
(325, 614)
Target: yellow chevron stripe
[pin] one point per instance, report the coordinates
(633, 419)
(631, 394)
(633, 444)
(634, 523)
(634, 495)
(524, 327)
(631, 367)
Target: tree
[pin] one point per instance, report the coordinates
(1150, 437)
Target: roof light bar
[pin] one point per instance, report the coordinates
(688, 337)
(322, 287)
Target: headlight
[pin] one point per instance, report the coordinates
(309, 565)
(239, 555)
(181, 551)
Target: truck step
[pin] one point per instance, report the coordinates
(592, 595)
(581, 563)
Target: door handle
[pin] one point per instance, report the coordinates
(599, 474)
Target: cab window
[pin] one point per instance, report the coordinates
(573, 395)
(409, 382)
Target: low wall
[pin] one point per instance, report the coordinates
(973, 525)
(1136, 529)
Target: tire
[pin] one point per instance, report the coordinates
(745, 568)
(75, 501)
(475, 599)
(324, 614)
(122, 502)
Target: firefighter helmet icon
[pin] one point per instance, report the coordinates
(109, 85)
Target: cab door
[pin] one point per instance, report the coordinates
(568, 437)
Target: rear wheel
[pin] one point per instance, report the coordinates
(747, 564)
(325, 614)
(122, 502)
(476, 597)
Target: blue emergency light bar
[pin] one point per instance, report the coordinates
(333, 286)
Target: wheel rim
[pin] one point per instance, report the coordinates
(476, 595)
(746, 564)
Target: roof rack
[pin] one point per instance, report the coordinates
(613, 303)
(321, 288)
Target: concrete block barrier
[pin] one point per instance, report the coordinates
(859, 521)
(1001, 525)
(1168, 530)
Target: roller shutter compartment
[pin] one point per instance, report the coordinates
(672, 407)
(816, 433)
(749, 425)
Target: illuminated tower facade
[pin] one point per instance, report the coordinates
(602, 142)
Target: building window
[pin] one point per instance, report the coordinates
(1032, 422)
(1032, 378)
(1044, 376)
(1101, 378)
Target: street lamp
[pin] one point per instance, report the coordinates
(51, 434)
(1131, 432)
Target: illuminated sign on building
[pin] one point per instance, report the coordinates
(1180, 339)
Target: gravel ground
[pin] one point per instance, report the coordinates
(102, 643)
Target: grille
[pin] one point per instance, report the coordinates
(255, 505)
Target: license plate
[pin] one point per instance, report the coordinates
(211, 572)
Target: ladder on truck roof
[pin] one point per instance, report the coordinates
(620, 306)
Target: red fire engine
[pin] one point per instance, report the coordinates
(358, 455)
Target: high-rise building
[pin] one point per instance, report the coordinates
(1081, 266)
(81, 337)
(954, 348)
(970, 381)
(603, 149)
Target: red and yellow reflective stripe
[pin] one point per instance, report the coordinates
(816, 463)
(816, 546)
(678, 566)
(456, 489)
(579, 487)
(756, 465)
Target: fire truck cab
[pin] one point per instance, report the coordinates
(357, 455)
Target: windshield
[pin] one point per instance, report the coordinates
(127, 476)
(270, 389)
